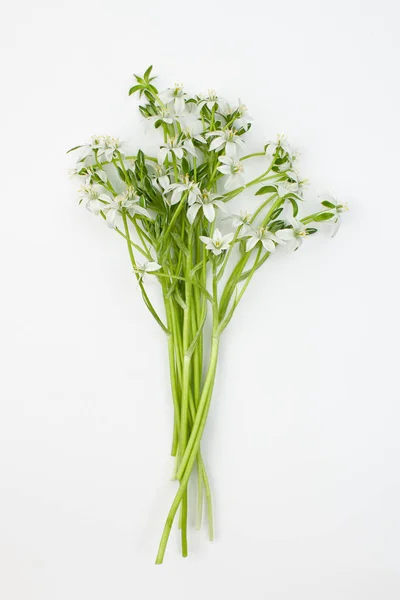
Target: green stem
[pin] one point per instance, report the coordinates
(191, 458)
(139, 279)
(185, 381)
(199, 423)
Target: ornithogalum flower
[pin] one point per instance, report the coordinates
(92, 196)
(227, 139)
(128, 201)
(235, 171)
(218, 242)
(264, 237)
(207, 202)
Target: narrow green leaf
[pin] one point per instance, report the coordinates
(276, 213)
(72, 149)
(180, 300)
(324, 216)
(178, 241)
(134, 89)
(147, 73)
(121, 174)
(295, 207)
(327, 204)
(196, 268)
(267, 189)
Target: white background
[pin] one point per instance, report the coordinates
(303, 436)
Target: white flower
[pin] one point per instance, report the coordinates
(92, 171)
(218, 243)
(165, 116)
(87, 149)
(175, 95)
(160, 179)
(189, 146)
(76, 170)
(147, 267)
(281, 143)
(242, 117)
(194, 192)
(108, 147)
(129, 201)
(210, 101)
(262, 236)
(190, 119)
(296, 185)
(192, 122)
(91, 196)
(293, 236)
(172, 147)
(242, 219)
(207, 202)
(235, 171)
(227, 139)
(337, 208)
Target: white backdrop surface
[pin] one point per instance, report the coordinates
(303, 437)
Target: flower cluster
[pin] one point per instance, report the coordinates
(169, 209)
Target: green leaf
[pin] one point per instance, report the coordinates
(295, 207)
(276, 213)
(134, 89)
(147, 73)
(185, 165)
(311, 230)
(327, 204)
(72, 149)
(276, 225)
(148, 95)
(324, 216)
(180, 300)
(121, 174)
(267, 189)
(195, 269)
(178, 241)
(131, 177)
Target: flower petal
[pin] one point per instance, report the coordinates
(111, 216)
(217, 143)
(162, 154)
(221, 205)
(285, 234)
(209, 212)
(228, 238)
(151, 266)
(164, 181)
(230, 149)
(176, 196)
(205, 239)
(192, 212)
(189, 147)
(268, 244)
(140, 211)
(251, 242)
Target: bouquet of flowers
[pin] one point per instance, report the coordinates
(169, 209)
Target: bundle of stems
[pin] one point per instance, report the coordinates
(165, 207)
